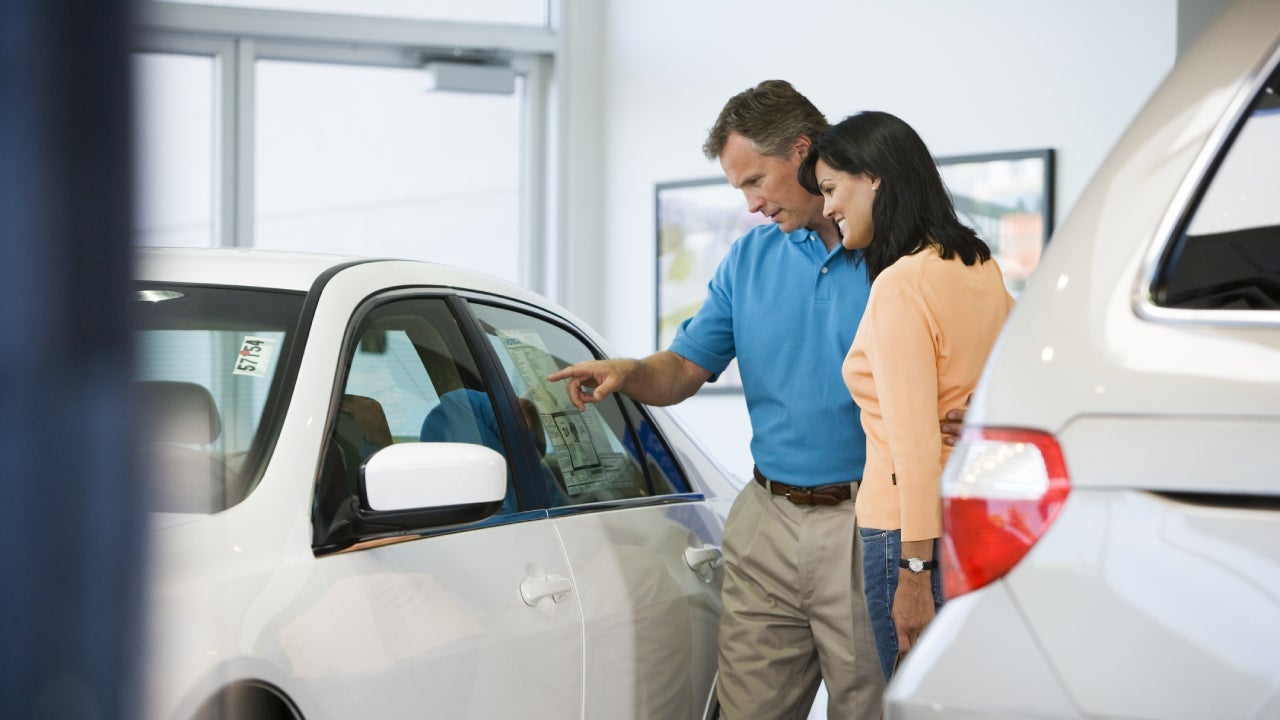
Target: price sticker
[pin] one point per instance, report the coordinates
(255, 356)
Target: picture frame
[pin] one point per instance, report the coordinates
(696, 220)
(1007, 198)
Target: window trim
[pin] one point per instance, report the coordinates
(528, 490)
(1183, 206)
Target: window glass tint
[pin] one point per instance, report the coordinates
(590, 456)
(208, 364)
(1229, 256)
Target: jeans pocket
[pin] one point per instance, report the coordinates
(872, 534)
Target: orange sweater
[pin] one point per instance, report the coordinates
(919, 350)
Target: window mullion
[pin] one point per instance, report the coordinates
(243, 136)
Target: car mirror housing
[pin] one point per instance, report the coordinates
(418, 476)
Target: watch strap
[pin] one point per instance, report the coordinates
(905, 564)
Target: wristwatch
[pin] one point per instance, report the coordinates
(916, 565)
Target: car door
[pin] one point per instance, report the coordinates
(642, 544)
(421, 616)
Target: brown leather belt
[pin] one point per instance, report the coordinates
(821, 495)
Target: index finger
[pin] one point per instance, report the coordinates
(563, 373)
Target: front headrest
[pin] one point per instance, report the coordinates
(180, 412)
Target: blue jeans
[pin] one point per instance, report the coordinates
(881, 550)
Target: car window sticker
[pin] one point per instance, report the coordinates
(580, 440)
(254, 356)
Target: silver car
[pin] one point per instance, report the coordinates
(1112, 545)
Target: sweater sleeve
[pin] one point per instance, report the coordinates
(904, 366)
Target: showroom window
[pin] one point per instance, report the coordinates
(175, 131)
(362, 160)
(403, 132)
(1228, 257)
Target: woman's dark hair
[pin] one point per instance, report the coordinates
(912, 209)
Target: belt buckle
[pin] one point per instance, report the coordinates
(803, 496)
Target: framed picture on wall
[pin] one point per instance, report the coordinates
(1008, 199)
(697, 221)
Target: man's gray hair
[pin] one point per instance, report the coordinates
(771, 115)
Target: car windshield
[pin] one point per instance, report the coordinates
(209, 369)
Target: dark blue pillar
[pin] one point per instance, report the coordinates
(72, 523)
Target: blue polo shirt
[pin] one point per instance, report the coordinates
(788, 310)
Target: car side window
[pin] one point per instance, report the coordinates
(591, 456)
(1228, 257)
(409, 377)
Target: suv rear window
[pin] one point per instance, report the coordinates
(1228, 257)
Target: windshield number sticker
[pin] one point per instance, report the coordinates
(255, 356)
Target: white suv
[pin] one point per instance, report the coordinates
(1112, 543)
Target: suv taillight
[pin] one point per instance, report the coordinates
(1001, 490)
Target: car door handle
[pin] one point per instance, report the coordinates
(535, 590)
(703, 559)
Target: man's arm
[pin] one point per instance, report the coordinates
(663, 378)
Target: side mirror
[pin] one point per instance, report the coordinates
(419, 476)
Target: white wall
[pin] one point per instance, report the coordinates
(972, 76)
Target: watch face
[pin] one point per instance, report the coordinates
(916, 564)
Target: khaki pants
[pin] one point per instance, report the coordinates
(794, 612)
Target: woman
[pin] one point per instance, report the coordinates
(937, 303)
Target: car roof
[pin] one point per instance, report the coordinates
(235, 267)
(299, 271)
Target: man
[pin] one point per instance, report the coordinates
(786, 302)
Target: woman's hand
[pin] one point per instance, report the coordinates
(913, 607)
